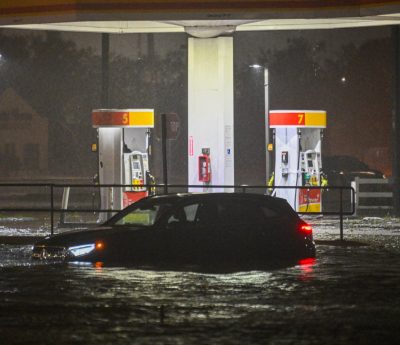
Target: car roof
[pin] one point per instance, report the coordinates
(199, 196)
(278, 204)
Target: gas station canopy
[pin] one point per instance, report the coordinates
(205, 18)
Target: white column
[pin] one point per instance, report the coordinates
(210, 115)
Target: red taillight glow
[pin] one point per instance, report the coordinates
(99, 245)
(307, 261)
(306, 229)
(306, 268)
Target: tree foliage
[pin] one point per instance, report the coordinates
(63, 83)
(352, 83)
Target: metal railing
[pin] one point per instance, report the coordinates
(52, 208)
(380, 194)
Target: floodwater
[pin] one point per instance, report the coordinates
(348, 295)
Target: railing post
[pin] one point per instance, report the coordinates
(357, 193)
(52, 209)
(341, 213)
(164, 151)
(64, 203)
(353, 195)
(354, 198)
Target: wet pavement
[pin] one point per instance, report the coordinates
(348, 295)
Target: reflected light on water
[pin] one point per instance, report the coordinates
(99, 266)
(307, 268)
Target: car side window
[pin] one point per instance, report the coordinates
(190, 211)
(207, 215)
(141, 216)
(145, 215)
(184, 214)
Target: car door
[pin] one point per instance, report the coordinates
(191, 230)
(178, 232)
(241, 227)
(138, 238)
(206, 238)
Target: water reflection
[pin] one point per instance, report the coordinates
(306, 268)
(347, 295)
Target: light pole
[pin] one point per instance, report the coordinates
(268, 163)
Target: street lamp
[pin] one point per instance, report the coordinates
(268, 164)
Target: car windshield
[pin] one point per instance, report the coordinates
(143, 215)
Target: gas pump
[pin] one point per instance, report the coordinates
(136, 172)
(123, 147)
(310, 162)
(297, 136)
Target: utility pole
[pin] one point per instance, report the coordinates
(105, 70)
(268, 163)
(396, 121)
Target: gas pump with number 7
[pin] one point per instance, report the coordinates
(297, 135)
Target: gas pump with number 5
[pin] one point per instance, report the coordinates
(205, 166)
(123, 155)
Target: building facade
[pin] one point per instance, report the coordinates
(23, 138)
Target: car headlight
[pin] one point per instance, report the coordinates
(82, 249)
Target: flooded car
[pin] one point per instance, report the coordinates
(190, 229)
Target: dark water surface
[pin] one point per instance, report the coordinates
(348, 295)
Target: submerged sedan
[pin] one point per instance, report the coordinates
(190, 229)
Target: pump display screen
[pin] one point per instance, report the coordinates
(135, 166)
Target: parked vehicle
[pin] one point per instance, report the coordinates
(190, 229)
(341, 170)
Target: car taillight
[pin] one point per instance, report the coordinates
(306, 229)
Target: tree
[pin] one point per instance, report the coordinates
(61, 83)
